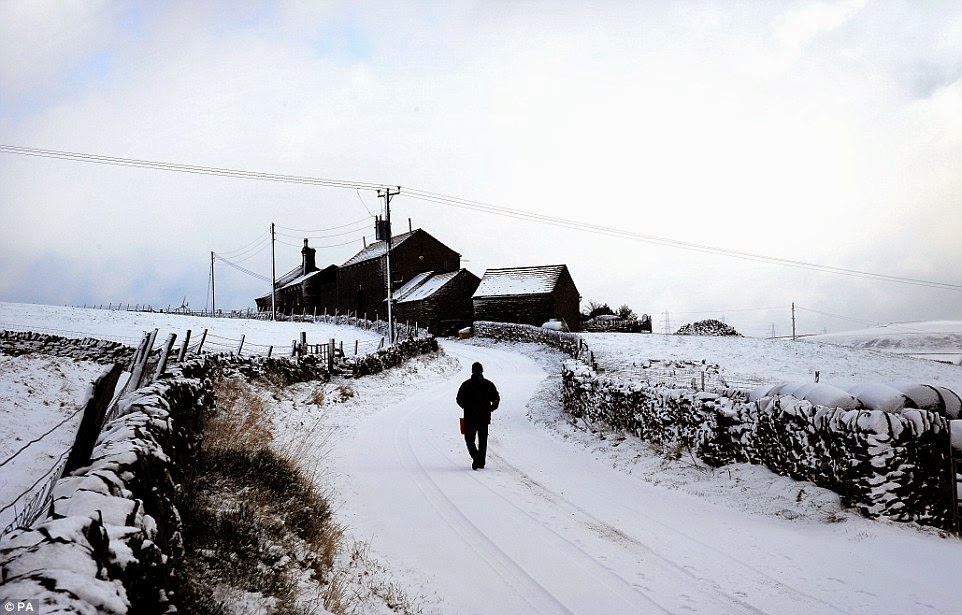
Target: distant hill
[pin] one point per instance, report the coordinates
(939, 340)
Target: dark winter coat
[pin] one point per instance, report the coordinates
(478, 397)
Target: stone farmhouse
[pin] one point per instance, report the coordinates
(429, 285)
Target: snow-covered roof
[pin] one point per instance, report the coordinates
(377, 250)
(423, 286)
(300, 279)
(287, 277)
(519, 281)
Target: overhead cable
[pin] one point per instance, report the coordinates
(188, 168)
(476, 206)
(654, 239)
(242, 269)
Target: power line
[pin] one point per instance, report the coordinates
(328, 236)
(187, 168)
(331, 245)
(324, 230)
(475, 206)
(242, 269)
(255, 245)
(860, 321)
(685, 245)
(245, 255)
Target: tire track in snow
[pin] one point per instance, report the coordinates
(612, 535)
(529, 590)
(713, 591)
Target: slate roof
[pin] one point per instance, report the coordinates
(519, 281)
(377, 250)
(423, 285)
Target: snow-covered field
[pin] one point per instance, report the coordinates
(746, 362)
(223, 334)
(568, 520)
(936, 340)
(40, 393)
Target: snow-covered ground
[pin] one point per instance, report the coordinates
(747, 362)
(223, 334)
(39, 393)
(40, 400)
(568, 520)
(936, 340)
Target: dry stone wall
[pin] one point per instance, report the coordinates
(16, 343)
(114, 537)
(882, 464)
(568, 343)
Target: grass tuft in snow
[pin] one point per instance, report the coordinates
(255, 528)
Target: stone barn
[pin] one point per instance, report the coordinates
(438, 302)
(362, 279)
(528, 295)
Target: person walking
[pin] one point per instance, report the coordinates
(478, 397)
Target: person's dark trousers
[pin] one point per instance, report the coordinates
(478, 452)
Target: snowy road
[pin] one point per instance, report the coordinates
(546, 528)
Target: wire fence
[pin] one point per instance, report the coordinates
(673, 373)
(147, 364)
(30, 503)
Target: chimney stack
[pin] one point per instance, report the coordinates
(308, 263)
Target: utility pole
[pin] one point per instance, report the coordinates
(793, 321)
(213, 305)
(387, 193)
(273, 278)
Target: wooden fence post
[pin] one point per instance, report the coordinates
(200, 346)
(141, 349)
(955, 457)
(93, 418)
(183, 349)
(137, 373)
(241, 345)
(165, 352)
(330, 356)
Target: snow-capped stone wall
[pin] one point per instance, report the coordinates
(568, 343)
(115, 534)
(883, 464)
(15, 343)
(392, 356)
(114, 539)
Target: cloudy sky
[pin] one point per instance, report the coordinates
(826, 133)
